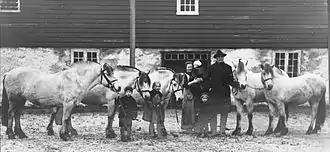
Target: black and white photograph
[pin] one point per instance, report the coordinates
(164, 75)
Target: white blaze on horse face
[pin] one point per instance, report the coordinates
(242, 78)
(145, 86)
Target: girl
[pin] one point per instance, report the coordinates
(154, 111)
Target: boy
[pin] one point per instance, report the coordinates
(127, 112)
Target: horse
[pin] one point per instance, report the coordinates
(66, 88)
(251, 91)
(279, 90)
(100, 95)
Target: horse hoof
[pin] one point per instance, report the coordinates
(283, 132)
(236, 132)
(74, 132)
(249, 132)
(50, 132)
(22, 136)
(65, 137)
(11, 136)
(268, 132)
(309, 131)
(111, 134)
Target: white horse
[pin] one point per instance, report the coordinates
(297, 90)
(100, 95)
(251, 92)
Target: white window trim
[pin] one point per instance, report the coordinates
(14, 11)
(85, 54)
(179, 12)
(286, 61)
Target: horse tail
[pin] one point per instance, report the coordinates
(321, 112)
(5, 104)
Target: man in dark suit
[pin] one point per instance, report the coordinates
(217, 79)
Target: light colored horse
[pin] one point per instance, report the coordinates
(251, 92)
(297, 90)
(100, 95)
(66, 88)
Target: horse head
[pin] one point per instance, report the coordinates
(179, 81)
(107, 73)
(240, 73)
(267, 75)
(143, 84)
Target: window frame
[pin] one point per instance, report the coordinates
(13, 11)
(85, 55)
(286, 61)
(179, 12)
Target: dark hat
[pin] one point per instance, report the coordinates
(128, 88)
(219, 53)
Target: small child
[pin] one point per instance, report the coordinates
(154, 111)
(127, 112)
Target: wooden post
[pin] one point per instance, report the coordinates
(132, 32)
(329, 43)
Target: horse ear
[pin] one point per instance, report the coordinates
(273, 66)
(246, 62)
(261, 66)
(148, 72)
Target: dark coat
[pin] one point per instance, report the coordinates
(218, 77)
(154, 110)
(127, 107)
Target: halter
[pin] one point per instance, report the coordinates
(138, 87)
(110, 84)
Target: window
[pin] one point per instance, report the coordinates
(77, 56)
(185, 56)
(289, 61)
(10, 6)
(187, 7)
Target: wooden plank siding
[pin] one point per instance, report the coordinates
(221, 24)
(233, 24)
(67, 23)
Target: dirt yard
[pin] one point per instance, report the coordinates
(91, 136)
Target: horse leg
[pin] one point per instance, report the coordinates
(283, 130)
(72, 131)
(64, 131)
(240, 111)
(109, 132)
(18, 129)
(50, 130)
(11, 115)
(271, 115)
(249, 106)
(314, 106)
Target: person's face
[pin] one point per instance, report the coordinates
(128, 93)
(157, 87)
(220, 58)
(189, 68)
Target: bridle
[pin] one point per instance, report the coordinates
(110, 84)
(136, 83)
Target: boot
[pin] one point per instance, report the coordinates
(123, 134)
(152, 132)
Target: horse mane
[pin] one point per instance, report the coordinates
(127, 68)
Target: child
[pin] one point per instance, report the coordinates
(154, 111)
(127, 112)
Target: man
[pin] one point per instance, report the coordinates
(217, 79)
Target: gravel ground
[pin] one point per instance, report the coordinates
(91, 126)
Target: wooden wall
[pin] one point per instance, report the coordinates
(67, 23)
(234, 24)
(221, 24)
